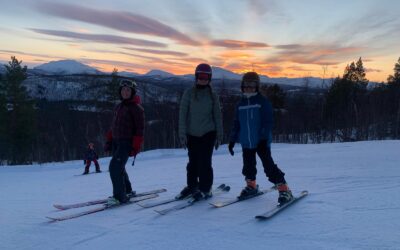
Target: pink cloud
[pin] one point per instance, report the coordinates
(118, 20)
(100, 38)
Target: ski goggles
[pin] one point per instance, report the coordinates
(203, 77)
(127, 83)
(249, 84)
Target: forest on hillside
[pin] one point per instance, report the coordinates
(39, 129)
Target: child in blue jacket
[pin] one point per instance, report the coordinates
(252, 127)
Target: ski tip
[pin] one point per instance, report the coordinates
(303, 193)
(160, 212)
(51, 219)
(58, 206)
(216, 205)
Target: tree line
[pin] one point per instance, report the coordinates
(38, 130)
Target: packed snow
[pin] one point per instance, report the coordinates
(354, 203)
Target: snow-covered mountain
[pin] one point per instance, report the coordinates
(128, 74)
(73, 67)
(159, 73)
(66, 67)
(221, 73)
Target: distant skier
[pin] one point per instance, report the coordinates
(91, 156)
(124, 140)
(252, 127)
(200, 130)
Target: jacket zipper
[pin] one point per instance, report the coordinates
(248, 123)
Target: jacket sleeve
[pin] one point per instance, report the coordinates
(235, 128)
(266, 121)
(218, 117)
(138, 119)
(183, 113)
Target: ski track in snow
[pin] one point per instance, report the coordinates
(353, 203)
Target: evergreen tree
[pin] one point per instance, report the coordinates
(20, 128)
(3, 120)
(275, 94)
(395, 78)
(113, 86)
(344, 102)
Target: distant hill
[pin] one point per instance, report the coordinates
(66, 67)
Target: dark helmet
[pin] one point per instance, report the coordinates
(127, 83)
(251, 79)
(203, 71)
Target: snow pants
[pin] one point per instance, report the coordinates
(118, 174)
(271, 170)
(89, 162)
(199, 168)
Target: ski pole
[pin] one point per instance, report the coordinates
(133, 162)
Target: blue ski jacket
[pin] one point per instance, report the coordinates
(253, 121)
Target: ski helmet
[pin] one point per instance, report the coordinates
(203, 71)
(251, 79)
(127, 83)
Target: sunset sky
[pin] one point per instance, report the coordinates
(282, 38)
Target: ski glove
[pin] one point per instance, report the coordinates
(230, 147)
(183, 141)
(136, 145)
(108, 145)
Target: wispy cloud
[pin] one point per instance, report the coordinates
(372, 70)
(236, 44)
(314, 54)
(158, 52)
(118, 20)
(15, 52)
(100, 38)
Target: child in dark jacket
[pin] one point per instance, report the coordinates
(253, 129)
(124, 140)
(91, 156)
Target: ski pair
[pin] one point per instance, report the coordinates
(190, 201)
(278, 208)
(268, 214)
(103, 207)
(219, 204)
(102, 201)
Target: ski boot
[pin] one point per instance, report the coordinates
(112, 201)
(200, 195)
(85, 173)
(131, 194)
(285, 195)
(250, 189)
(185, 193)
(98, 171)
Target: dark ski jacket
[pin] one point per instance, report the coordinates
(128, 120)
(91, 155)
(253, 121)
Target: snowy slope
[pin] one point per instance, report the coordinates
(354, 203)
